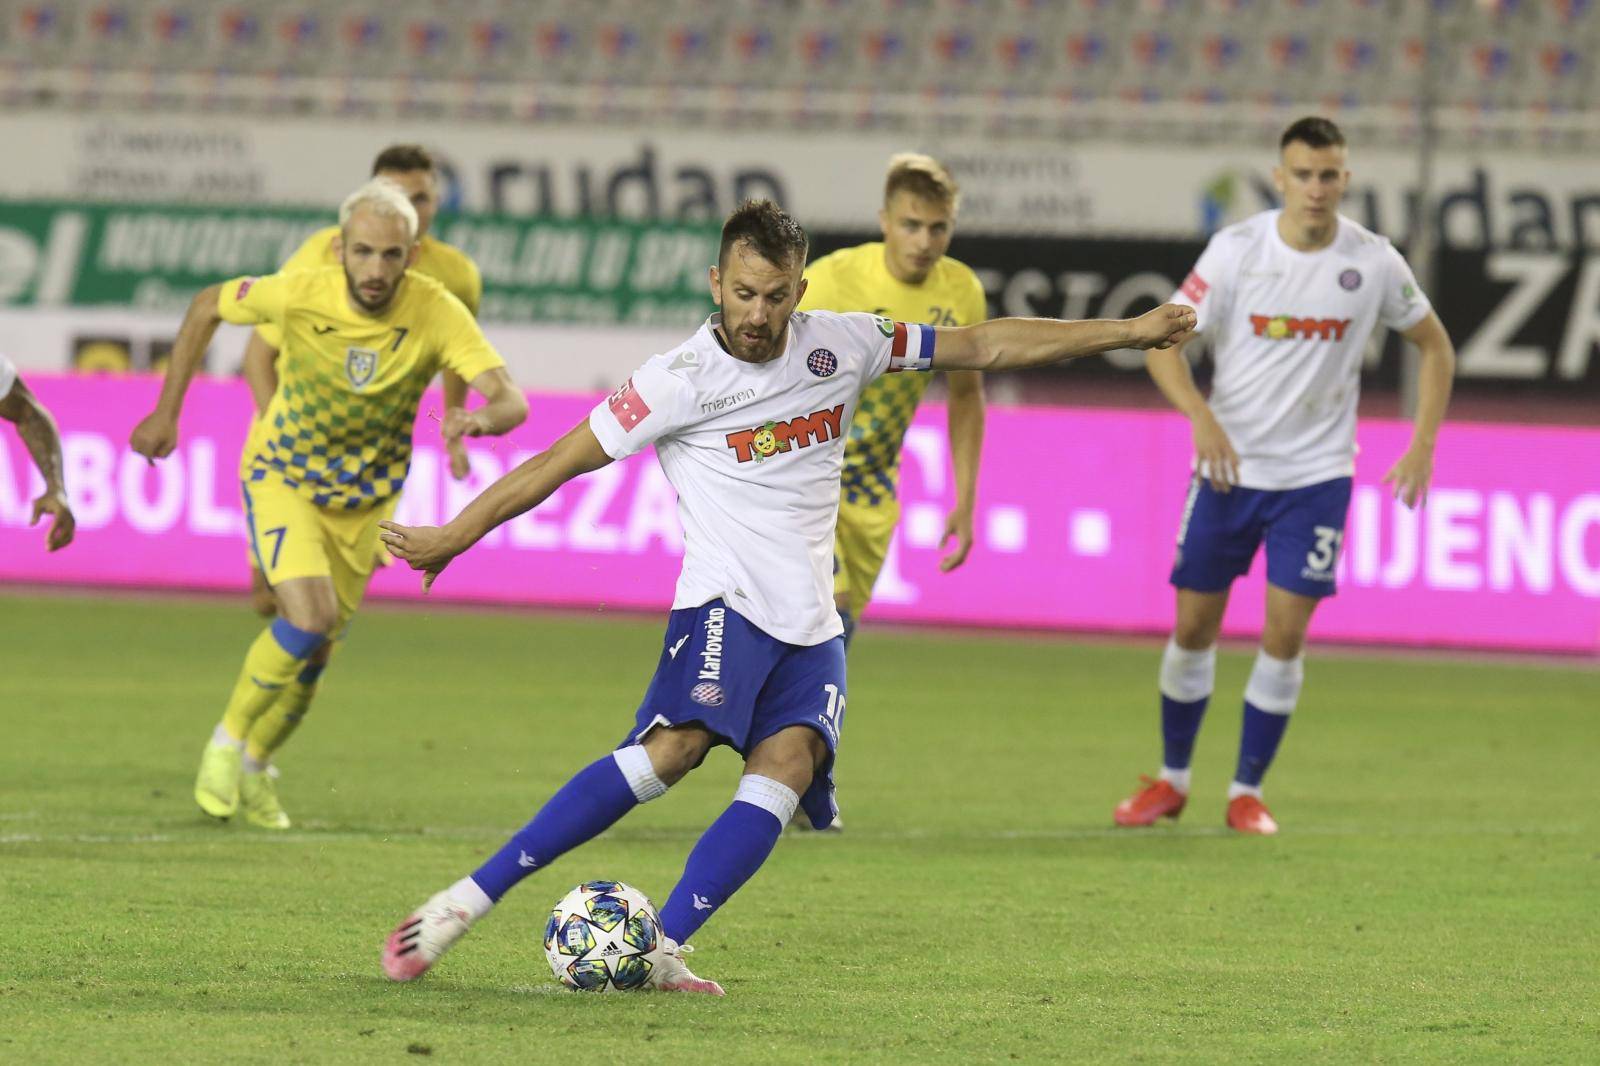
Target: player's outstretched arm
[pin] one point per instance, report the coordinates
(38, 432)
(430, 548)
(504, 408)
(1020, 343)
(1413, 471)
(455, 399)
(156, 436)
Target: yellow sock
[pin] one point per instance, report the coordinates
(274, 728)
(274, 661)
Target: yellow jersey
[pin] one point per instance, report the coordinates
(445, 263)
(338, 429)
(857, 279)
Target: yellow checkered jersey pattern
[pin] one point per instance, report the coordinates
(856, 279)
(338, 430)
(445, 263)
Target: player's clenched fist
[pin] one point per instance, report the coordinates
(1163, 327)
(155, 437)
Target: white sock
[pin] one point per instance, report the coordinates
(1236, 790)
(1178, 779)
(637, 770)
(252, 765)
(774, 797)
(220, 735)
(466, 893)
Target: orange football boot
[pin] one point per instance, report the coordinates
(1157, 799)
(1248, 814)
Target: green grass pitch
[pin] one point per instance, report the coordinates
(1434, 896)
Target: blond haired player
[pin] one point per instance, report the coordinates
(908, 277)
(411, 167)
(361, 341)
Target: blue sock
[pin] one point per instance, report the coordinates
(1258, 743)
(584, 808)
(725, 858)
(1180, 724)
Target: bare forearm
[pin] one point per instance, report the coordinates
(1434, 382)
(455, 390)
(527, 486)
(1020, 343)
(966, 422)
(38, 432)
(1169, 369)
(503, 412)
(189, 350)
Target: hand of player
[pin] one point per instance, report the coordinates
(1163, 327)
(957, 524)
(1410, 476)
(1215, 451)
(62, 524)
(460, 423)
(425, 548)
(460, 462)
(155, 437)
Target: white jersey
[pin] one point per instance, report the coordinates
(1288, 330)
(754, 451)
(8, 376)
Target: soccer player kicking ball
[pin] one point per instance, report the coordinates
(410, 166)
(361, 340)
(1289, 298)
(749, 419)
(38, 431)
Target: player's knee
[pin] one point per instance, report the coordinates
(322, 619)
(1195, 634)
(792, 757)
(1188, 675)
(675, 750)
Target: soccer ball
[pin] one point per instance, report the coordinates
(603, 935)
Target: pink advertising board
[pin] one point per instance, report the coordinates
(1075, 527)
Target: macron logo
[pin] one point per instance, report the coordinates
(701, 903)
(524, 859)
(673, 651)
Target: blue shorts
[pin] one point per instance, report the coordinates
(1303, 529)
(744, 685)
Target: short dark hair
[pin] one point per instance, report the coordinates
(768, 229)
(403, 157)
(1313, 131)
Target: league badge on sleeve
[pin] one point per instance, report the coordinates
(628, 407)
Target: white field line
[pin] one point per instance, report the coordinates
(468, 833)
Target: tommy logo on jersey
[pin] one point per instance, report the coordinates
(359, 365)
(1290, 327)
(1195, 287)
(628, 407)
(910, 345)
(763, 442)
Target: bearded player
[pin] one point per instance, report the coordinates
(748, 418)
(361, 341)
(1288, 299)
(411, 167)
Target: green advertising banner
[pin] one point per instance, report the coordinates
(55, 254)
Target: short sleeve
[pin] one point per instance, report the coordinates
(1404, 302)
(8, 376)
(313, 252)
(251, 301)
(471, 293)
(975, 308)
(1207, 286)
(461, 344)
(650, 405)
(890, 346)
